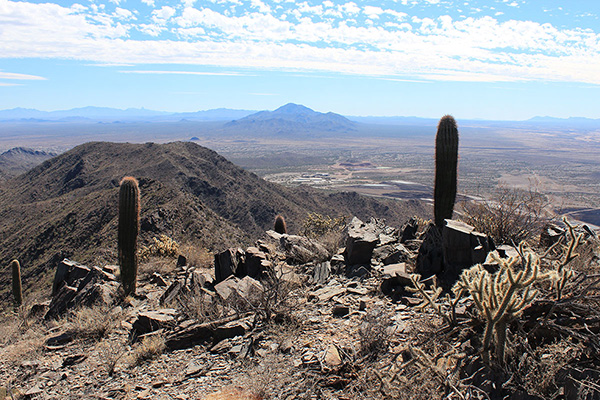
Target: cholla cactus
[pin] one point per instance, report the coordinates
(430, 298)
(502, 296)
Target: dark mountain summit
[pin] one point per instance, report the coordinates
(67, 206)
(293, 119)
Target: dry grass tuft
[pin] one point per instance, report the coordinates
(90, 323)
(149, 348)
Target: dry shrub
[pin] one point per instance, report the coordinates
(374, 334)
(110, 353)
(91, 323)
(510, 215)
(197, 256)
(201, 307)
(326, 230)
(149, 348)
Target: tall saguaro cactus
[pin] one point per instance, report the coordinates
(446, 163)
(129, 222)
(16, 282)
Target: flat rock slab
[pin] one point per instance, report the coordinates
(151, 321)
(246, 288)
(327, 293)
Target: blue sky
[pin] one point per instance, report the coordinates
(495, 59)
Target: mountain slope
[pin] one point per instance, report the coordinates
(18, 160)
(67, 206)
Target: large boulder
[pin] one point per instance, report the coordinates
(230, 262)
(463, 247)
(76, 285)
(360, 242)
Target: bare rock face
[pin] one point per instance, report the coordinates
(463, 247)
(230, 262)
(151, 321)
(77, 285)
(551, 234)
(360, 243)
(430, 259)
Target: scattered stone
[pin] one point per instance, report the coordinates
(39, 309)
(326, 293)
(195, 369)
(158, 280)
(302, 249)
(340, 310)
(506, 251)
(358, 271)
(332, 357)
(463, 247)
(409, 230)
(321, 273)
(74, 359)
(394, 281)
(286, 345)
(247, 288)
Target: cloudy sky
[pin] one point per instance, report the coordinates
(493, 59)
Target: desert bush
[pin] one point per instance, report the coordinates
(197, 256)
(510, 215)
(374, 334)
(326, 230)
(91, 323)
(148, 348)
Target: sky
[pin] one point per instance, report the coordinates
(493, 59)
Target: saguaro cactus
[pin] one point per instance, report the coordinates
(280, 226)
(446, 162)
(16, 282)
(129, 222)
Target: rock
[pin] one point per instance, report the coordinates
(189, 283)
(234, 328)
(550, 234)
(430, 259)
(506, 251)
(151, 321)
(326, 293)
(358, 271)
(463, 247)
(158, 280)
(246, 288)
(360, 242)
(321, 273)
(190, 333)
(409, 230)
(77, 285)
(302, 249)
(60, 340)
(230, 262)
(395, 280)
(286, 345)
(256, 262)
(39, 309)
(332, 357)
(181, 261)
(194, 369)
(340, 310)
(74, 359)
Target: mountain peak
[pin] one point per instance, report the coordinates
(292, 108)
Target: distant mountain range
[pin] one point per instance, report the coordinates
(288, 117)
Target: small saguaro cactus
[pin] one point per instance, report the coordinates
(129, 222)
(446, 162)
(16, 282)
(280, 226)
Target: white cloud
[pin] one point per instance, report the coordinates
(149, 3)
(372, 12)
(123, 14)
(21, 77)
(472, 49)
(162, 15)
(167, 72)
(262, 7)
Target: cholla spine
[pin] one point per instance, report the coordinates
(503, 295)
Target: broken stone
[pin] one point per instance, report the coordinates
(74, 359)
(68, 273)
(430, 258)
(321, 273)
(463, 247)
(246, 288)
(230, 262)
(151, 321)
(358, 271)
(326, 293)
(409, 231)
(234, 328)
(332, 357)
(395, 280)
(158, 280)
(340, 310)
(256, 261)
(302, 249)
(181, 261)
(360, 242)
